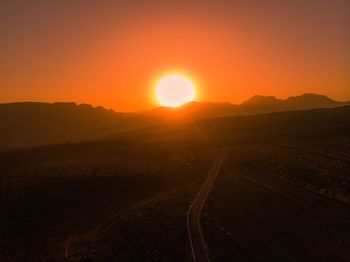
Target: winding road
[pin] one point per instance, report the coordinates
(198, 245)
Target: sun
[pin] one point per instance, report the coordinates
(174, 90)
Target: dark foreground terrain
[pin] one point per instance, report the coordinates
(282, 193)
(276, 203)
(100, 201)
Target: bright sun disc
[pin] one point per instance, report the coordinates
(175, 90)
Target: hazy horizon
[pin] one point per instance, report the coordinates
(111, 54)
(160, 106)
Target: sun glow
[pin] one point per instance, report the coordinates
(175, 90)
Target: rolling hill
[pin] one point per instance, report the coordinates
(315, 126)
(303, 125)
(35, 124)
(32, 124)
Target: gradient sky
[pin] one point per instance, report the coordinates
(110, 53)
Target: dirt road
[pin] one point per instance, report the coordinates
(197, 241)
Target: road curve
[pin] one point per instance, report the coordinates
(198, 245)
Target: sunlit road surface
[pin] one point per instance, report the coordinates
(198, 245)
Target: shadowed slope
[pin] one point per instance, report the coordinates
(35, 124)
(310, 125)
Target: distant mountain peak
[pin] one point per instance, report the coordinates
(261, 100)
(307, 100)
(311, 97)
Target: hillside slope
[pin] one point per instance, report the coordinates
(317, 124)
(36, 124)
(32, 124)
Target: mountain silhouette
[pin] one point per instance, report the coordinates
(31, 124)
(34, 124)
(262, 100)
(255, 105)
(266, 104)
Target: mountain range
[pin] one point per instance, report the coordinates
(30, 124)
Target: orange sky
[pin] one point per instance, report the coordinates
(110, 54)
